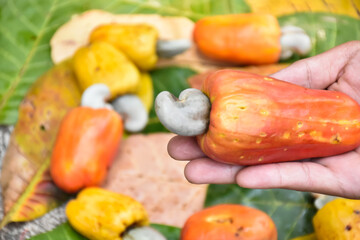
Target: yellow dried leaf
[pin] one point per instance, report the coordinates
(283, 7)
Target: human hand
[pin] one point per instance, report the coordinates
(337, 69)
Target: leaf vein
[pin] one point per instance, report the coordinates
(38, 64)
(8, 56)
(15, 82)
(292, 228)
(12, 40)
(165, 9)
(35, 6)
(62, 4)
(21, 17)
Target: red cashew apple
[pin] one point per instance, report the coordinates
(86, 144)
(247, 119)
(90, 135)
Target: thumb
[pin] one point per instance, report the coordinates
(320, 71)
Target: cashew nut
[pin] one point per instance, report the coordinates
(170, 48)
(321, 200)
(186, 116)
(132, 111)
(294, 40)
(95, 96)
(143, 233)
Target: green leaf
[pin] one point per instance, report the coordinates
(170, 232)
(326, 30)
(66, 232)
(292, 211)
(172, 79)
(26, 28)
(61, 232)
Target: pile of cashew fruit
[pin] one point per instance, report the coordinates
(118, 95)
(103, 215)
(118, 92)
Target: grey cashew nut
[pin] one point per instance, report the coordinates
(294, 40)
(143, 233)
(321, 200)
(186, 116)
(132, 110)
(171, 48)
(96, 96)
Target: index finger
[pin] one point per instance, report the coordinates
(184, 148)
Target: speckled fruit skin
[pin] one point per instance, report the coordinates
(229, 222)
(338, 219)
(256, 119)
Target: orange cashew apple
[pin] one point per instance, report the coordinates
(249, 38)
(229, 222)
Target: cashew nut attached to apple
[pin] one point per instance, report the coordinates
(187, 115)
(129, 106)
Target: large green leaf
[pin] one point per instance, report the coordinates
(326, 30)
(172, 79)
(292, 211)
(26, 28)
